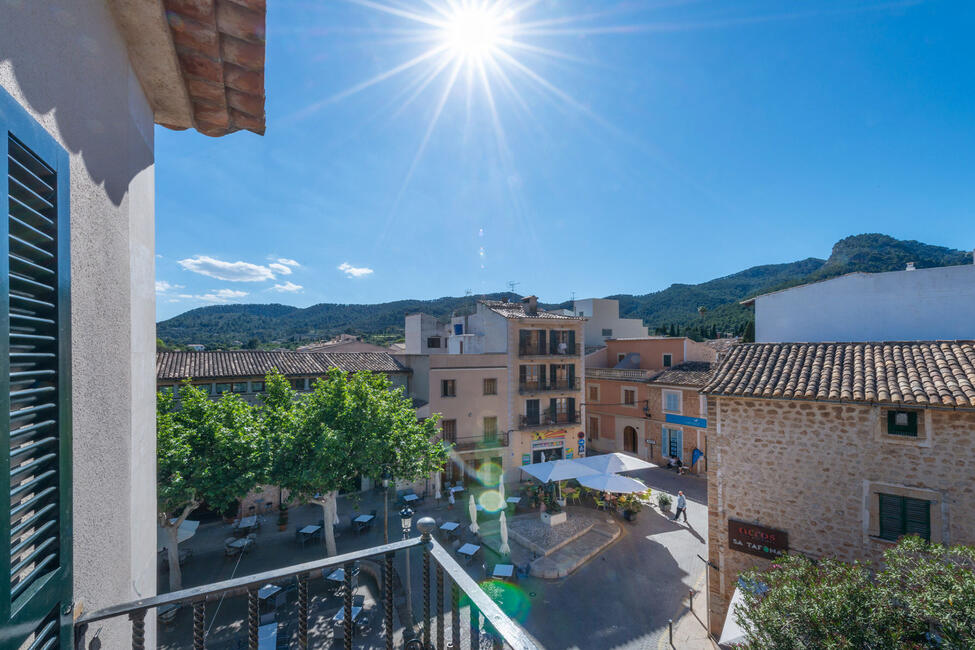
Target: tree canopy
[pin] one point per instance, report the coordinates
(923, 596)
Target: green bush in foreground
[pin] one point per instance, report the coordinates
(922, 597)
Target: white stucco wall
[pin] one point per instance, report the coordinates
(926, 304)
(604, 313)
(65, 63)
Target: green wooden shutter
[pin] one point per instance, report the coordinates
(891, 516)
(541, 343)
(35, 562)
(572, 341)
(917, 517)
(909, 429)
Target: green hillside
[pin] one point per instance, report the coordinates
(672, 310)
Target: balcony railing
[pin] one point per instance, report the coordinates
(484, 616)
(548, 418)
(545, 386)
(486, 441)
(634, 374)
(549, 350)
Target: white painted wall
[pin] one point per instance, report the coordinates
(926, 304)
(66, 64)
(604, 313)
(418, 329)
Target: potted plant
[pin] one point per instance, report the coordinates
(283, 517)
(631, 505)
(664, 501)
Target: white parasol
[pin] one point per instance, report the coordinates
(186, 530)
(613, 483)
(558, 470)
(472, 508)
(504, 548)
(614, 463)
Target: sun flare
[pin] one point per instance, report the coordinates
(473, 33)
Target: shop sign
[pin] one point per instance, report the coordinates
(757, 540)
(701, 423)
(547, 444)
(545, 435)
(568, 455)
(526, 459)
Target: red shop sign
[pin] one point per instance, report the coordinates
(756, 540)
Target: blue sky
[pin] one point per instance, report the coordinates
(641, 144)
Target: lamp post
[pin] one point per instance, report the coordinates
(406, 519)
(386, 478)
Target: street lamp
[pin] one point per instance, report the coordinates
(406, 519)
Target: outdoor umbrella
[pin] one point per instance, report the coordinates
(472, 508)
(615, 463)
(732, 633)
(613, 483)
(186, 530)
(558, 470)
(504, 549)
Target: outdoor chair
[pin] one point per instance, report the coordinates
(600, 504)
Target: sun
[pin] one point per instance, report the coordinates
(473, 33)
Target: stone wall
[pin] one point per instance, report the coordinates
(811, 468)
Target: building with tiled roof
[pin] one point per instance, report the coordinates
(837, 449)
(527, 308)
(689, 373)
(243, 371)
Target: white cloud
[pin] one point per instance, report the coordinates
(288, 287)
(287, 262)
(162, 286)
(280, 269)
(218, 295)
(354, 271)
(229, 271)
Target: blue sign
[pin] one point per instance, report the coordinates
(688, 421)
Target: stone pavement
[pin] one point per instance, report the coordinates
(690, 632)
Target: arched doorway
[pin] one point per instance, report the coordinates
(629, 439)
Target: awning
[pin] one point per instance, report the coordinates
(186, 530)
(614, 463)
(732, 632)
(613, 483)
(558, 470)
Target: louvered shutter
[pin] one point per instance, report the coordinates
(35, 578)
(891, 516)
(917, 518)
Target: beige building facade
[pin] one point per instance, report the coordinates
(836, 450)
(507, 381)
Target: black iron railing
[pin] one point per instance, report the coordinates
(548, 386)
(483, 613)
(534, 350)
(489, 440)
(548, 418)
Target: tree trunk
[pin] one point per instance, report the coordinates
(328, 504)
(172, 551)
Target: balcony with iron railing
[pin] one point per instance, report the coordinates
(444, 581)
(560, 385)
(548, 350)
(548, 418)
(487, 440)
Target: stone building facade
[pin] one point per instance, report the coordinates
(807, 442)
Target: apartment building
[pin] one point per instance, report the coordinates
(507, 380)
(838, 449)
(243, 371)
(647, 403)
(603, 321)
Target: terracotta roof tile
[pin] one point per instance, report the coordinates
(940, 373)
(517, 310)
(176, 366)
(220, 45)
(689, 373)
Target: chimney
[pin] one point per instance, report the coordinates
(910, 266)
(531, 304)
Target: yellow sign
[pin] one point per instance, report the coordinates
(545, 435)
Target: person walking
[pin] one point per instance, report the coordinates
(450, 498)
(681, 506)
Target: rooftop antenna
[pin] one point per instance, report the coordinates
(572, 296)
(511, 285)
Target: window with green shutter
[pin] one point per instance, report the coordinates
(35, 564)
(901, 516)
(902, 423)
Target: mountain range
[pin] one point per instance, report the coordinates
(675, 310)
